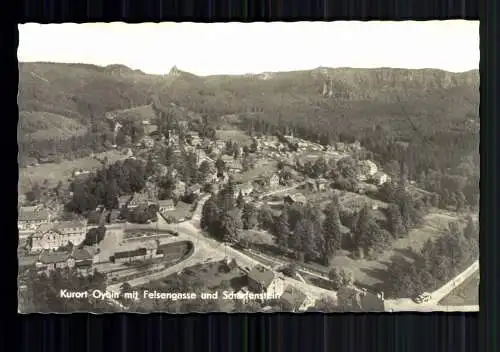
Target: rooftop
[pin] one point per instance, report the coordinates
(139, 198)
(293, 297)
(261, 275)
(130, 253)
(33, 215)
(81, 254)
(53, 257)
(70, 224)
(297, 197)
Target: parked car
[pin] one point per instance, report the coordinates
(173, 233)
(422, 298)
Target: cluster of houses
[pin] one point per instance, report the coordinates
(34, 223)
(368, 171)
(30, 218)
(52, 236)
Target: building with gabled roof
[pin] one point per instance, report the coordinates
(123, 201)
(294, 300)
(262, 280)
(295, 198)
(139, 199)
(78, 259)
(56, 235)
(30, 218)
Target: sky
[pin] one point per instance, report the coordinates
(240, 48)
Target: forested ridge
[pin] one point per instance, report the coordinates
(435, 111)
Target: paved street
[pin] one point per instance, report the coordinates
(407, 304)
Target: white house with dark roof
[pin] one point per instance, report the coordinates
(295, 198)
(269, 179)
(123, 201)
(262, 280)
(294, 300)
(367, 169)
(379, 178)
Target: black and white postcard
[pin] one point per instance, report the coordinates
(248, 167)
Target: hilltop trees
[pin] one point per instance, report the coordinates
(395, 221)
(331, 231)
(439, 261)
(209, 215)
(341, 277)
(106, 185)
(369, 237)
(249, 216)
(282, 231)
(470, 230)
(94, 236)
(266, 218)
(220, 165)
(229, 225)
(240, 201)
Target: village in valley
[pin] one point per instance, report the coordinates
(180, 205)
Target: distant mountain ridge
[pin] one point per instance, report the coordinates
(83, 92)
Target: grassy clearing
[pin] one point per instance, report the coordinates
(372, 273)
(234, 135)
(465, 294)
(182, 211)
(368, 273)
(61, 172)
(262, 167)
(357, 201)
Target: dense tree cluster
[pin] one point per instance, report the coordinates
(106, 185)
(140, 214)
(438, 262)
(52, 150)
(94, 236)
(308, 233)
(404, 212)
(42, 294)
(99, 137)
(340, 277)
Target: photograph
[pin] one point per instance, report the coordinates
(248, 167)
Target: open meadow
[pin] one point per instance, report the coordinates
(55, 172)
